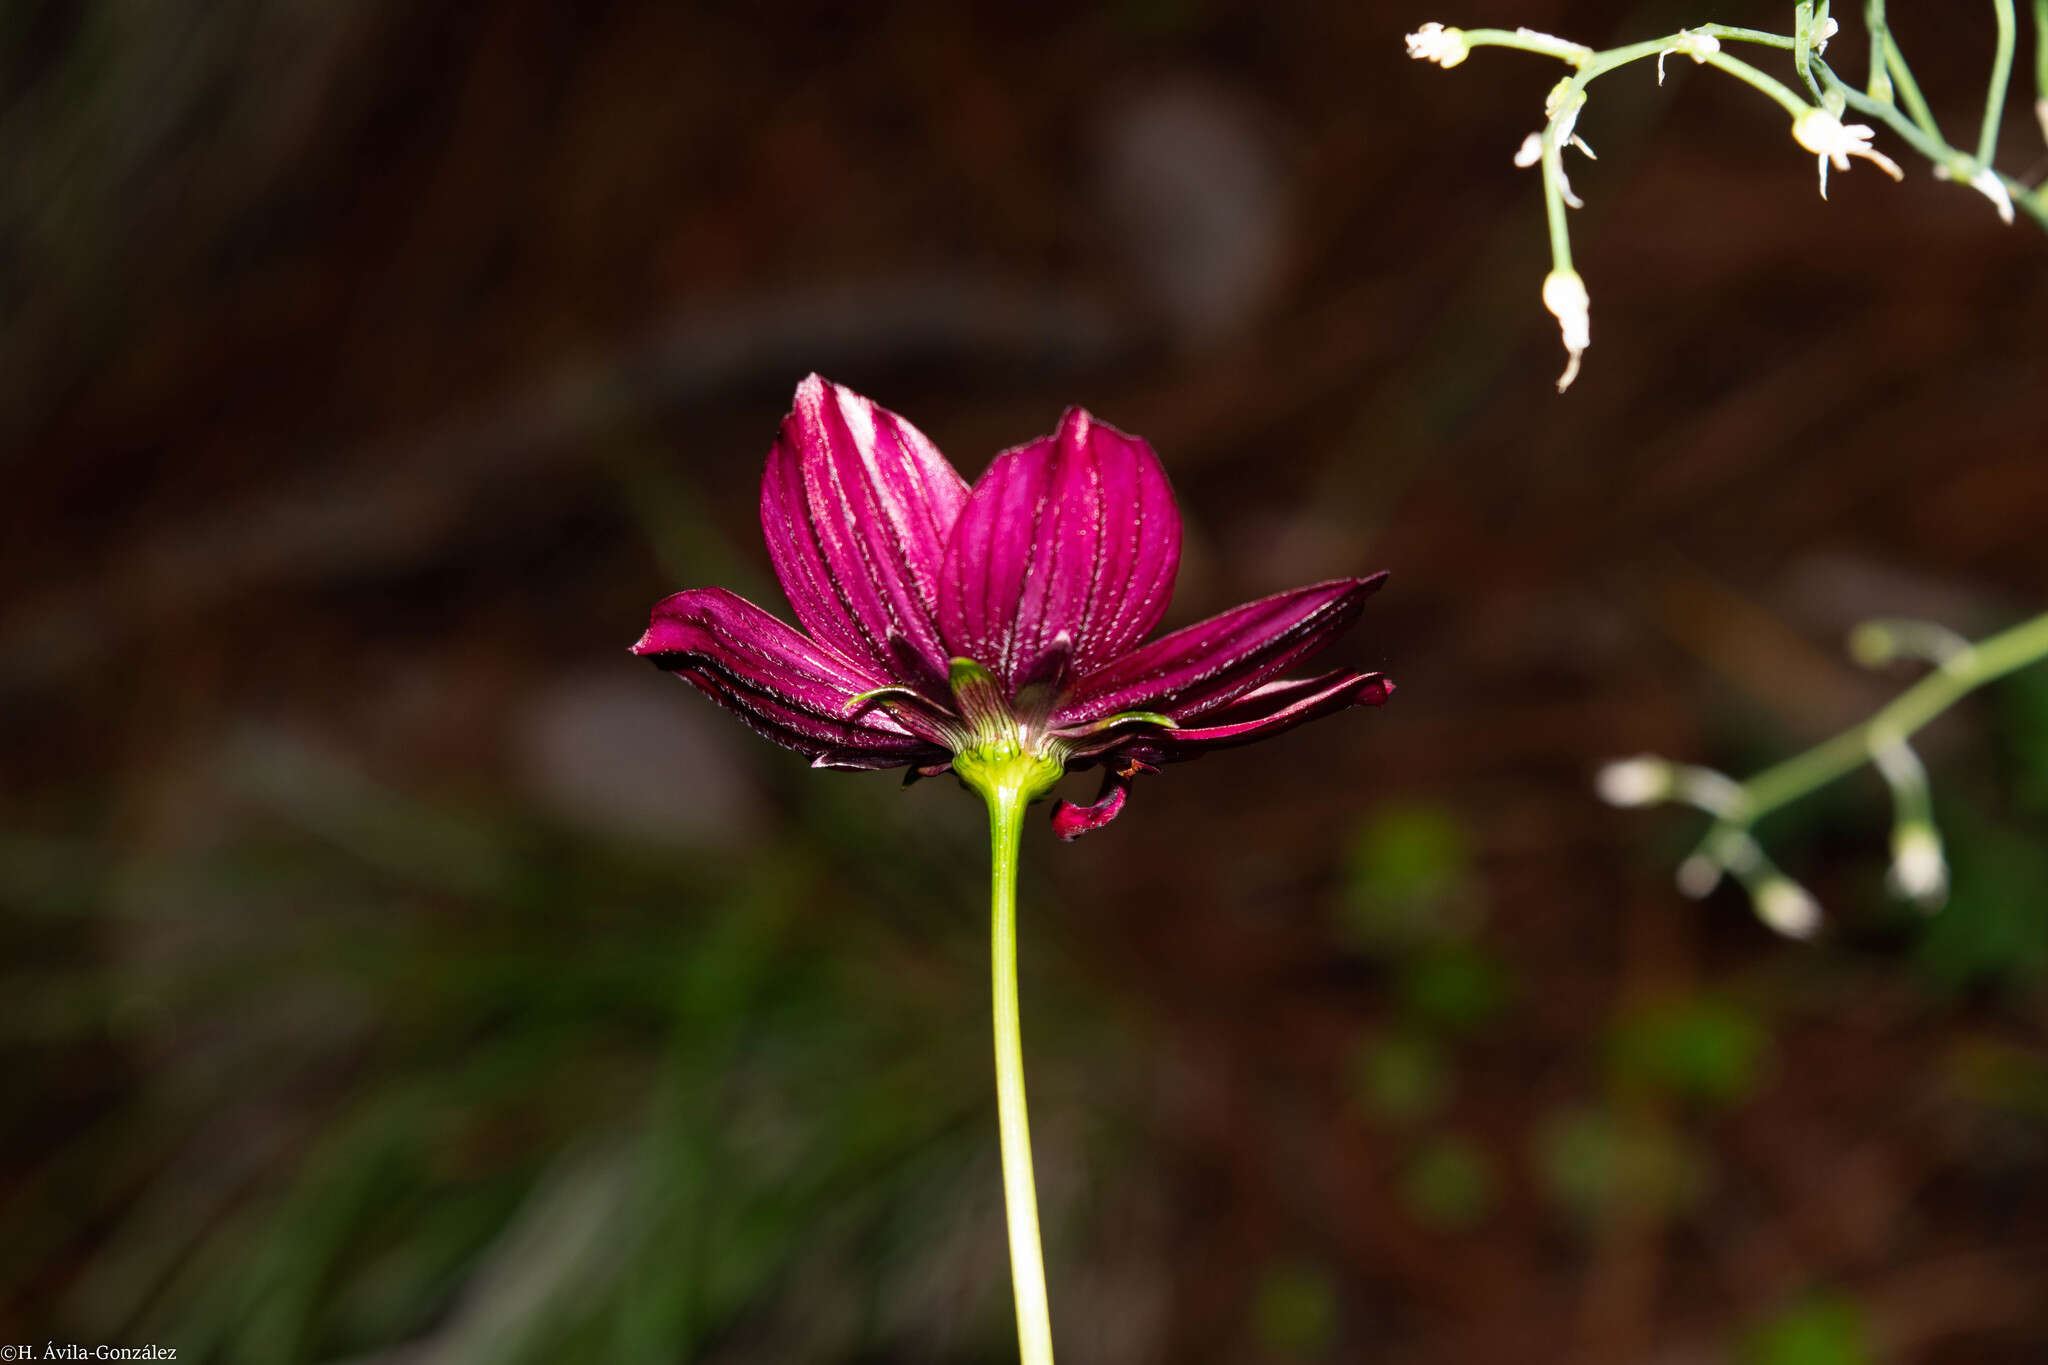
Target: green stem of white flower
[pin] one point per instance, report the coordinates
(2001, 76)
(1897, 73)
(1987, 661)
(1729, 845)
(2041, 53)
(1915, 124)
(1006, 804)
(1880, 85)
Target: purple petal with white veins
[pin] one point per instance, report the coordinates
(1212, 663)
(789, 688)
(1073, 534)
(857, 506)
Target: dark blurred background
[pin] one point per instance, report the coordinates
(396, 971)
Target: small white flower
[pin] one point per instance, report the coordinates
(1531, 152)
(1435, 43)
(1698, 46)
(1564, 294)
(1986, 182)
(1819, 37)
(1919, 871)
(1563, 105)
(1982, 179)
(1640, 781)
(1786, 906)
(1825, 136)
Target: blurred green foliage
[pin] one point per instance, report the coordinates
(1402, 1077)
(1449, 1183)
(1994, 929)
(1590, 1160)
(1459, 988)
(1407, 879)
(443, 1073)
(2024, 716)
(1696, 1048)
(1294, 1309)
(1821, 1331)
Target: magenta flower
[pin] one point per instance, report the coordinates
(997, 632)
(946, 627)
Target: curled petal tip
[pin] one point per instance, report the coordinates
(1070, 821)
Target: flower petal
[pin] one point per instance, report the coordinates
(1070, 821)
(1274, 708)
(856, 507)
(1075, 533)
(1208, 665)
(789, 688)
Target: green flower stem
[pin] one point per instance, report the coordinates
(1962, 674)
(1009, 783)
(2001, 76)
(1897, 73)
(1802, 46)
(2041, 52)
(1748, 74)
(1553, 200)
(1527, 40)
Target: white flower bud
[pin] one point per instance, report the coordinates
(1919, 870)
(1987, 183)
(1435, 43)
(1873, 644)
(1640, 781)
(1564, 294)
(1697, 876)
(1531, 150)
(1785, 906)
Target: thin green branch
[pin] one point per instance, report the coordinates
(1985, 662)
(1802, 46)
(2001, 77)
(1729, 846)
(1553, 200)
(1880, 38)
(1909, 89)
(1750, 76)
(2041, 62)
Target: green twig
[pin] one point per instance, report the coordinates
(1963, 674)
(1730, 846)
(1880, 38)
(2001, 77)
(2041, 60)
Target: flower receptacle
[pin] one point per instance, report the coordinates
(1005, 774)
